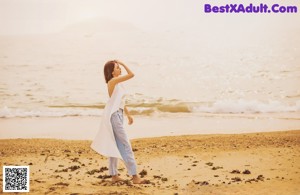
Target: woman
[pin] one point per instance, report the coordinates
(112, 140)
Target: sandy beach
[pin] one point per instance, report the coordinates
(255, 163)
(215, 97)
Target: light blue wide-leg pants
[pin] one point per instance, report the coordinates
(123, 145)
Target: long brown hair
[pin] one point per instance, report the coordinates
(108, 70)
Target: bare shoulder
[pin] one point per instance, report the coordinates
(112, 83)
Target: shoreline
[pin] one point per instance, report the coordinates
(165, 137)
(189, 164)
(86, 127)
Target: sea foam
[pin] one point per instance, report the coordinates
(145, 109)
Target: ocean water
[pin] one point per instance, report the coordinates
(61, 74)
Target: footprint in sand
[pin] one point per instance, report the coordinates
(61, 183)
(236, 171)
(143, 173)
(209, 164)
(246, 172)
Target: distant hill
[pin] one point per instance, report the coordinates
(99, 25)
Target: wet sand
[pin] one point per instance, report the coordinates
(175, 124)
(256, 163)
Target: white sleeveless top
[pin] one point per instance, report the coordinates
(104, 143)
(122, 104)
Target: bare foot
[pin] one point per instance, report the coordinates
(137, 180)
(116, 178)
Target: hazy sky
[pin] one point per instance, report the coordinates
(46, 16)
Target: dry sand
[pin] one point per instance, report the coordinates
(257, 163)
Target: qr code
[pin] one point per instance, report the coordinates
(15, 178)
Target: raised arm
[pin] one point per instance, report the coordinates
(119, 79)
